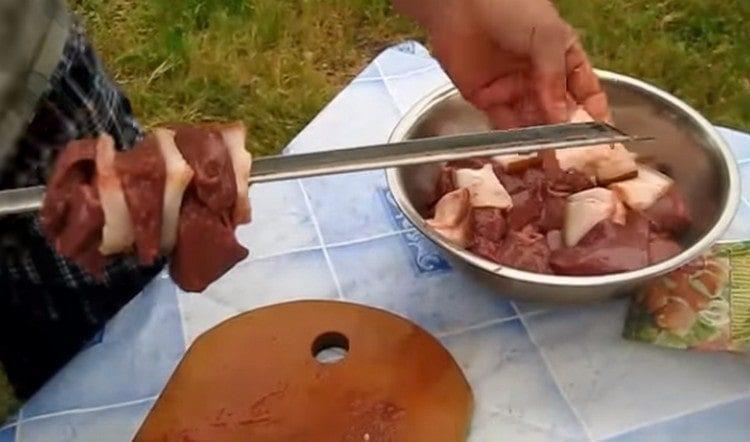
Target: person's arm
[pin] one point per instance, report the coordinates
(518, 60)
(32, 36)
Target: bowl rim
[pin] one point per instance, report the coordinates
(712, 236)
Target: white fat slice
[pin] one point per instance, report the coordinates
(619, 165)
(452, 217)
(117, 234)
(644, 190)
(583, 159)
(603, 162)
(179, 175)
(515, 163)
(484, 187)
(584, 210)
(234, 138)
(451, 209)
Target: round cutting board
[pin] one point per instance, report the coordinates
(313, 371)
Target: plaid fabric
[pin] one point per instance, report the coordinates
(49, 308)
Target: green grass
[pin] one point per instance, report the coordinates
(275, 63)
(270, 63)
(699, 50)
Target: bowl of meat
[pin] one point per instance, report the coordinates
(579, 224)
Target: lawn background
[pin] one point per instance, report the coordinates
(275, 63)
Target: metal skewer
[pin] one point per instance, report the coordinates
(419, 151)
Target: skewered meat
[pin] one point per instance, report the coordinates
(117, 234)
(206, 246)
(72, 215)
(234, 138)
(580, 211)
(180, 191)
(142, 170)
(179, 175)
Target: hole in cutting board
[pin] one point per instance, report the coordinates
(330, 347)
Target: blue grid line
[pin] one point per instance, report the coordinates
(318, 232)
(388, 88)
(475, 327)
(18, 423)
(480, 326)
(396, 76)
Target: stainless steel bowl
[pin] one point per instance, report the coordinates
(701, 164)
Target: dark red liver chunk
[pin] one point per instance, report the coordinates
(205, 152)
(206, 245)
(661, 248)
(669, 213)
(608, 248)
(489, 223)
(486, 248)
(553, 213)
(534, 178)
(444, 183)
(525, 250)
(513, 183)
(563, 181)
(528, 236)
(71, 216)
(527, 207)
(143, 175)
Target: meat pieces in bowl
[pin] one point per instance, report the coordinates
(579, 211)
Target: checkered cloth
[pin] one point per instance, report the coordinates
(49, 308)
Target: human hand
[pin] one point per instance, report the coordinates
(515, 59)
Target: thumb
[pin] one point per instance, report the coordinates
(548, 50)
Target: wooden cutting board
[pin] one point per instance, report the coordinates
(256, 377)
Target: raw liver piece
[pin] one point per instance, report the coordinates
(489, 223)
(607, 248)
(206, 245)
(142, 172)
(71, 216)
(525, 250)
(669, 213)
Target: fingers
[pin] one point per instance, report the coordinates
(583, 84)
(504, 116)
(548, 48)
(520, 113)
(502, 91)
(509, 102)
(550, 92)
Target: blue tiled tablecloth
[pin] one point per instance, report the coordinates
(538, 373)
